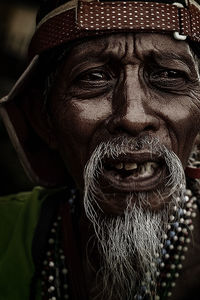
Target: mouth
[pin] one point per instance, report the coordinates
(134, 173)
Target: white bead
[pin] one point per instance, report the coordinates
(179, 229)
(173, 284)
(173, 266)
(182, 239)
(175, 238)
(182, 257)
(51, 264)
(179, 266)
(168, 275)
(187, 222)
(176, 256)
(193, 215)
(191, 227)
(64, 271)
(171, 218)
(51, 278)
(164, 284)
(157, 297)
(51, 241)
(51, 289)
(167, 256)
(188, 240)
(176, 275)
(171, 247)
(169, 294)
(188, 193)
(185, 249)
(65, 286)
(180, 247)
(162, 264)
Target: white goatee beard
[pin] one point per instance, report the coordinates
(130, 243)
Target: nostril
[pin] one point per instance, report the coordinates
(149, 128)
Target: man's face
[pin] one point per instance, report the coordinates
(126, 85)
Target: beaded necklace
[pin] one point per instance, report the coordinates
(55, 279)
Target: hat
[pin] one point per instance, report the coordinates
(60, 22)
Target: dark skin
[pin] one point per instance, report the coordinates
(127, 85)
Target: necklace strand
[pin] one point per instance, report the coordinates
(55, 277)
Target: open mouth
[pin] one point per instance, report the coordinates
(141, 172)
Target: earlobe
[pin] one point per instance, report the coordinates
(38, 117)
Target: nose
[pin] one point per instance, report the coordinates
(133, 111)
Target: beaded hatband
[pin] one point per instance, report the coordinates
(55, 279)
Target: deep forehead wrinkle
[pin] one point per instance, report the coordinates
(129, 48)
(164, 57)
(112, 46)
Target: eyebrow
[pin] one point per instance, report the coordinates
(164, 56)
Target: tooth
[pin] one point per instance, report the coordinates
(130, 166)
(149, 168)
(119, 166)
(154, 165)
(142, 170)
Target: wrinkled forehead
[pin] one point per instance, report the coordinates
(128, 45)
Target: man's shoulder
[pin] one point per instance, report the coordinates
(19, 213)
(12, 205)
(19, 216)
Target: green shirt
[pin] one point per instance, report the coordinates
(19, 216)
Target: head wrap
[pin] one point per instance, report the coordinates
(59, 22)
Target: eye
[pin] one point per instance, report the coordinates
(168, 74)
(168, 79)
(94, 76)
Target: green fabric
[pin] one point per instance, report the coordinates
(18, 219)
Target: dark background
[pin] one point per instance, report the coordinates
(17, 24)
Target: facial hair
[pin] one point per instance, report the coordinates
(130, 244)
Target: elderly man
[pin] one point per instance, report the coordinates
(107, 114)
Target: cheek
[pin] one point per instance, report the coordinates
(76, 124)
(185, 124)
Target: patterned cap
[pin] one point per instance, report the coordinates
(60, 21)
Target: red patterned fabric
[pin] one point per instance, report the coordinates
(96, 18)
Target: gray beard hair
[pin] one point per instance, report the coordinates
(130, 243)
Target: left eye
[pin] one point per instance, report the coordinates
(168, 74)
(168, 79)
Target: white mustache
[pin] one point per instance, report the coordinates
(121, 146)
